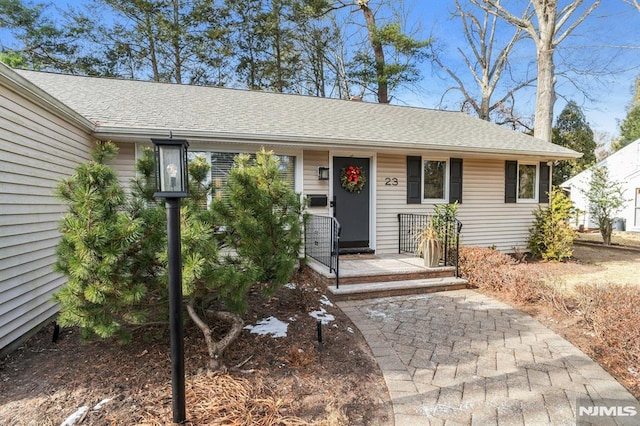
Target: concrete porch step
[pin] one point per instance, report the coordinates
(370, 276)
(372, 290)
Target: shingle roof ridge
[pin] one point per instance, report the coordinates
(241, 90)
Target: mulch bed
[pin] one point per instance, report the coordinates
(293, 380)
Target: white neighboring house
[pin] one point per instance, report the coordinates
(623, 166)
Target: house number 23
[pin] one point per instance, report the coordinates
(391, 181)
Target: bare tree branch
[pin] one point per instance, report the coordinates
(570, 9)
(547, 35)
(485, 66)
(634, 3)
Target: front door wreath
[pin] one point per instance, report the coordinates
(352, 178)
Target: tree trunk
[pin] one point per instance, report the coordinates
(175, 37)
(378, 52)
(606, 228)
(152, 47)
(214, 348)
(546, 94)
(485, 105)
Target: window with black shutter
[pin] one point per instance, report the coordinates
(428, 180)
(526, 182)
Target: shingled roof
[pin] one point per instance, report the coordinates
(128, 107)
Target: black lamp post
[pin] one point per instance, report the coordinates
(172, 185)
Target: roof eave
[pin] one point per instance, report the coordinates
(141, 134)
(24, 87)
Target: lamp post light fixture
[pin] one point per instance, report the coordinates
(171, 171)
(171, 168)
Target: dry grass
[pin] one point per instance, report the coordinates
(618, 237)
(595, 265)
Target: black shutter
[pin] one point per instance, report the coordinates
(455, 180)
(545, 181)
(414, 178)
(510, 181)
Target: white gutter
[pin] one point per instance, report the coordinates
(139, 134)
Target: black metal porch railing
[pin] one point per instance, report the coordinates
(322, 236)
(410, 225)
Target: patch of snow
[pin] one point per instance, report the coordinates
(271, 325)
(72, 419)
(376, 314)
(290, 286)
(323, 316)
(633, 371)
(325, 301)
(101, 403)
(349, 330)
(292, 319)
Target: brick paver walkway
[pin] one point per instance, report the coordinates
(459, 357)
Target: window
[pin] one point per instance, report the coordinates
(434, 178)
(222, 162)
(527, 182)
(527, 176)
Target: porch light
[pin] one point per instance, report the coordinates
(172, 184)
(323, 173)
(171, 168)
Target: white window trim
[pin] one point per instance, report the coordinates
(446, 180)
(536, 184)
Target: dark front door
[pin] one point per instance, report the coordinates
(351, 208)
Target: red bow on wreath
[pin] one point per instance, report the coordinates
(353, 173)
(352, 178)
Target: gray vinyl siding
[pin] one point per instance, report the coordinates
(487, 220)
(37, 149)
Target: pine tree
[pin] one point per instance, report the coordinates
(263, 217)
(113, 250)
(573, 131)
(104, 289)
(630, 126)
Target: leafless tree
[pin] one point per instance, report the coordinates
(486, 62)
(634, 3)
(552, 25)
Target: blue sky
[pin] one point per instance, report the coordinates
(592, 45)
(614, 23)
